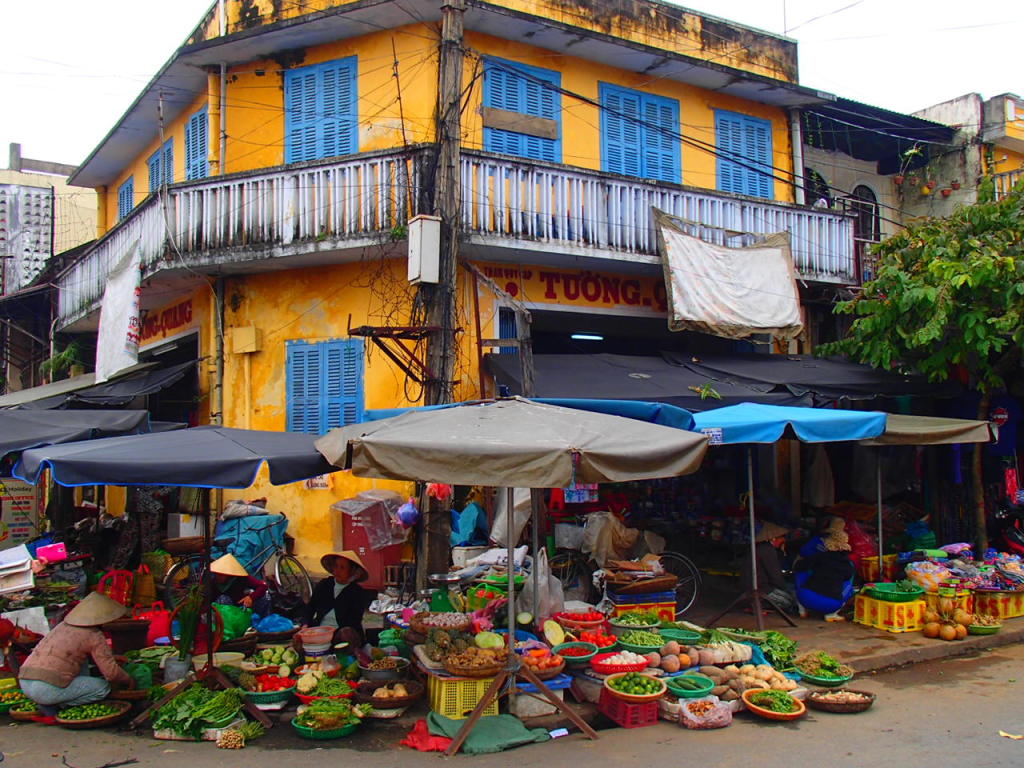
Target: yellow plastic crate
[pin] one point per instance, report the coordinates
(963, 600)
(892, 617)
(457, 697)
(1002, 605)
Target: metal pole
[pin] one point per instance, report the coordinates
(750, 509)
(535, 543)
(511, 545)
(878, 473)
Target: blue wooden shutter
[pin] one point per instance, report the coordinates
(661, 139)
(320, 111)
(507, 329)
(343, 383)
(155, 164)
(749, 140)
(126, 198)
(300, 115)
(167, 160)
(196, 146)
(620, 131)
(304, 387)
(338, 126)
(526, 90)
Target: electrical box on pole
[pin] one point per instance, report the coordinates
(424, 249)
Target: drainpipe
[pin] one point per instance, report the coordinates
(217, 417)
(222, 20)
(797, 140)
(223, 116)
(213, 101)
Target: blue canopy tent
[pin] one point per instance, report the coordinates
(755, 423)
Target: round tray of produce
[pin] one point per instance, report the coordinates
(476, 662)
(641, 641)
(9, 699)
(894, 592)
(773, 705)
(384, 670)
(576, 654)
(825, 682)
(96, 715)
(819, 668)
(277, 637)
(591, 620)
(425, 621)
(634, 687)
(842, 702)
(323, 733)
(681, 636)
(544, 667)
(983, 629)
(389, 695)
(330, 719)
(310, 698)
(25, 715)
(271, 697)
(690, 686)
(129, 694)
(618, 661)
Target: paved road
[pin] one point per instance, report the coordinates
(932, 714)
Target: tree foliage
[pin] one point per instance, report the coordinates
(948, 292)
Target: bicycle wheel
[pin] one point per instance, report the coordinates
(688, 588)
(292, 577)
(182, 576)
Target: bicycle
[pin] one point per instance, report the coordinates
(289, 575)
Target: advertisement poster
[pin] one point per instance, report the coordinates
(19, 512)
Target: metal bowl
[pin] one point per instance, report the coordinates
(386, 675)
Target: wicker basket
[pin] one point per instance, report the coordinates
(417, 625)
(767, 714)
(460, 671)
(313, 733)
(547, 674)
(364, 695)
(814, 702)
(129, 694)
(123, 707)
(188, 545)
(24, 717)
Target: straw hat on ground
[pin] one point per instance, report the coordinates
(769, 531)
(94, 610)
(228, 565)
(327, 561)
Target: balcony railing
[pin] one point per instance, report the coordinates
(1006, 181)
(575, 207)
(334, 204)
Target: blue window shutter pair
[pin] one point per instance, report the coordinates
(197, 146)
(528, 90)
(125, 198)
(639, 134)
(161, 166)
(748, 139)
(507, 329)
(324, 385)
(320, 111)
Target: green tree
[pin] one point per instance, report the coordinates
(948, 293)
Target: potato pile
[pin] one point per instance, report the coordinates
(671, 658)
(732, 681)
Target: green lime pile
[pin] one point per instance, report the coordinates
(635, 684)
(88, 712)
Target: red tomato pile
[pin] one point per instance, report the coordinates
(270, 683)
(600, 639)
(590, 616)
(574, 651)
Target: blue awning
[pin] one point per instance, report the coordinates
(757, 423)
(655, 413)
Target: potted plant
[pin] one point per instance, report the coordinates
(53, 367)
(931, 184)
(946, 191)
(912, 180)
(954, 184)
(898, 179)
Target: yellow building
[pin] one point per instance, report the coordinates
(268, 174)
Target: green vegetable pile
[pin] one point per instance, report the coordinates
(642, 637)
(906, 585)
(774, 701)
(88, 711)
(196, 708)
(142, 674)
(638, 619)
(820, 664)
(24, 706)
(778, 649)
(329, 686)
(635, 684)
(330, 714)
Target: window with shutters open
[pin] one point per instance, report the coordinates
(515, 87)
(161, 166)
(744, 144)
(125, 198)
(639, 134)
(197, 146)
(320, 111)
(324, 384)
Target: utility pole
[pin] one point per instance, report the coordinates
(440, 299)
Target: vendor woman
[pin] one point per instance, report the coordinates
(56, 673)
(338, 601)
(233, 585)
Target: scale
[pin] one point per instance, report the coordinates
(447, 595)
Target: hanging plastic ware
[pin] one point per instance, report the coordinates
(408, 515)
(440, 491)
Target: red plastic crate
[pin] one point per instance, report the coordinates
(625, 714)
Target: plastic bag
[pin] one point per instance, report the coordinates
(550, 598)
(719, 715)
(236, 620)
(273, 622)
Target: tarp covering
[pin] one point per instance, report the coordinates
(630, 377)
(825, 378)
(119, 391)
(202, 457)
(31, 429)
(655, 413)
(730, 292)
(513, 442)
(755, 423)
(117, 343)
(933, 430)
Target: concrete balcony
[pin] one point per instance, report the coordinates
(1006, 181)
(331, 211)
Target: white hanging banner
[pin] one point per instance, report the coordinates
(730, 292)
(117, 345)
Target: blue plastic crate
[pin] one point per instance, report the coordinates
(559, 683)
(654, 597)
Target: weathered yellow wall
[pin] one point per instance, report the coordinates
(581, 121)
(1007, 159)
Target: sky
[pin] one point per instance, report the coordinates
(68, 75)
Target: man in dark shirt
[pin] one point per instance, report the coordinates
(338, 601)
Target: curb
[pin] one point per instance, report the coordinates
(937, 649)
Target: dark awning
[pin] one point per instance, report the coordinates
(23, 429)
(627, 377)
(825, 379)
(120, 391)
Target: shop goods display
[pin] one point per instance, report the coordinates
(9, 699)
(389, 695)
(330, 718)
(690, 686)
(576, 654)
(774, 705)
(455, 698)
(237, 738)
(619, 661)
(732, 681)
(641, 640)
(951, 622)
(476, 662)
(280, 655)
(323, 688)
(625, 713)
(841, 701)
(636, 619)
(424, 621)
(635, 687)
(778, 649)
(386, 668)
(198, 708)
(984, 624)
(543, 663)
(705, 714)
(23, 710)
(892, 617)
(600, 639)
(266, 688)
(820, 668)
(902, 591)
(671, 658)
(718, 648)
(95, 715)
(441, 642)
